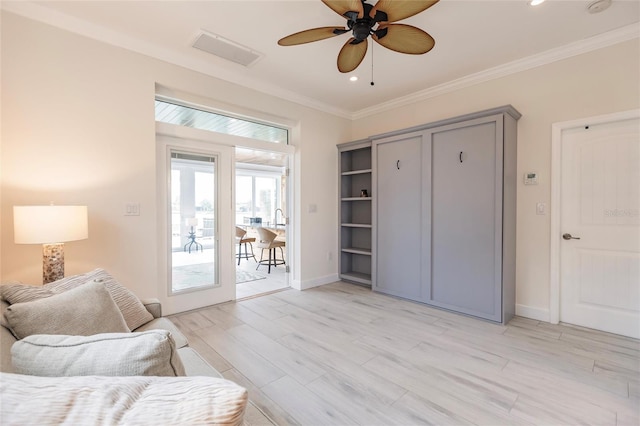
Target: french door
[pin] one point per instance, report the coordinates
(195, 221)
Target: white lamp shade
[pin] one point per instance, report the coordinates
(49, 224)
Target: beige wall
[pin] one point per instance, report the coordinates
(595, 83)
(78, 128)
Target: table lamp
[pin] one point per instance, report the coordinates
(50, 226)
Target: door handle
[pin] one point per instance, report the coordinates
(569, 237)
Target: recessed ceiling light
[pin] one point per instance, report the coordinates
(535, 2)
(598, 6)
(353, 78)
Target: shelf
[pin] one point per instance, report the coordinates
(357, 250)
(356, 225)
(356, 277)
(355, 213)
(356, 172)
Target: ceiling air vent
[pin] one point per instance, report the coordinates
(219, 46)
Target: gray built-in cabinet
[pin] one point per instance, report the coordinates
(355, 212)
(443, 213)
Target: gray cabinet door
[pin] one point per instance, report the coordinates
(399, 209)
(466, 231)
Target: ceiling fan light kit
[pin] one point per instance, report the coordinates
(364, 20)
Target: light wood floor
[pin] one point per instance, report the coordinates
(342, 355)
(276, 280)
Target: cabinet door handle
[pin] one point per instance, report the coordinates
(398, 164)
(460, 156)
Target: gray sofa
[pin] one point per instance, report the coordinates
(194, 364)
(54, 375)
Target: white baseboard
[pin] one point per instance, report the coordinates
(315, 282)
(532, 313)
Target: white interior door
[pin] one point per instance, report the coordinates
(600, 227)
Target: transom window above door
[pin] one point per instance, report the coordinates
(187, 116)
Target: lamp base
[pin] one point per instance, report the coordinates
(52, 262)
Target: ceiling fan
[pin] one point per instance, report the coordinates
(364, 19)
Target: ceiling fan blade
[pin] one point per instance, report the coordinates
(308, 36)
(404, 39)
(397, 10)
(351, 55)
(343, 6)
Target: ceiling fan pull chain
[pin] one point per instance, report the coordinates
(372, 83)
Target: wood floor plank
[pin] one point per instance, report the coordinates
(534, 349)
(547, 386)
(321, 298)
(256, 368)
(193, 320)
(254, 417)
(541, 410)
(422, 411)
(295, 365)
(316, 328)
(424, 380)
(341, 354)
(216, 360)
(247, 316)
(272, 411)
(623, 355)
(267, 306)
(303, 405)
(220, 318)
(338, 363)
(351, 397)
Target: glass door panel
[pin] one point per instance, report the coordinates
(266, 199)
(194, 254)
(244, 200)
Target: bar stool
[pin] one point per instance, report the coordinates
(267, 242)
(241, 239)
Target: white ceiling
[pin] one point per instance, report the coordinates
(475, 40)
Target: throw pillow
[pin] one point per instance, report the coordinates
(133, 311)
(86, 310)
(19, 293)
(150, 353)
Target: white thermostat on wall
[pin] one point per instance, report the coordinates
(531, 178)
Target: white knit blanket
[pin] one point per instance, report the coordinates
(98, 400)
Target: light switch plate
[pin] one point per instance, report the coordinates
(132, 209)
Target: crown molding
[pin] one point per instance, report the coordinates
(600, 41)
(78, 26)
(51, 17)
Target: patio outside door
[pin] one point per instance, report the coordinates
(194, 236)
(195, 219)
